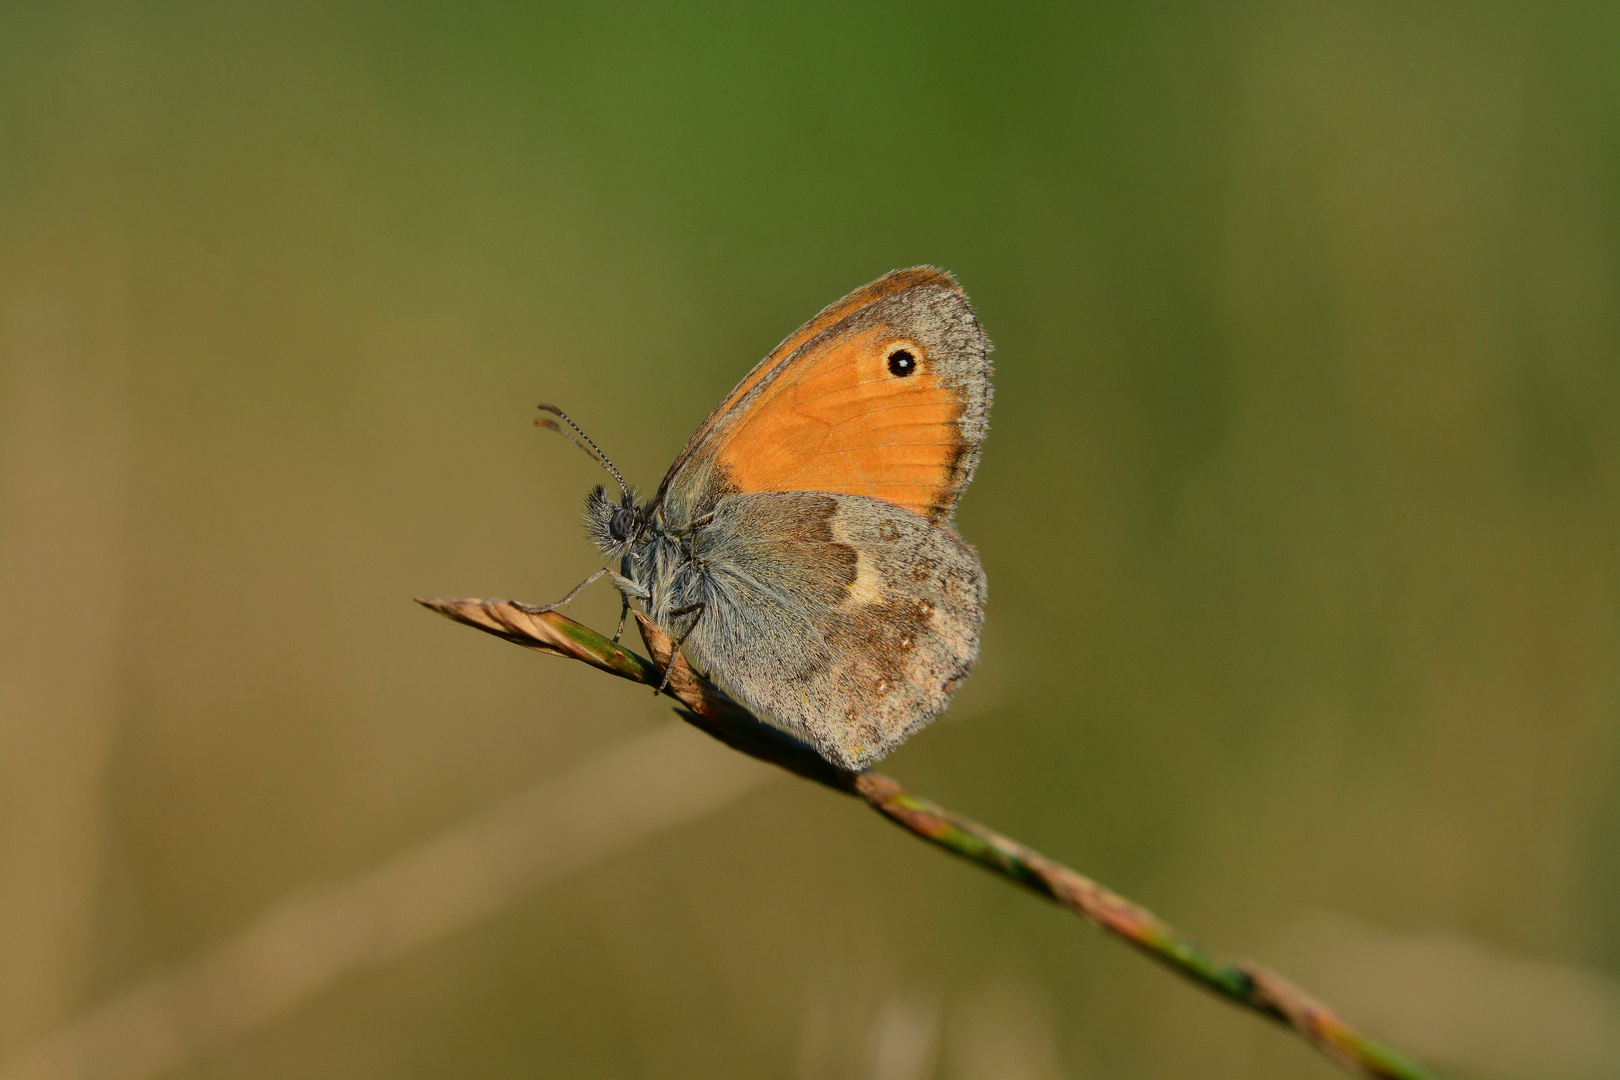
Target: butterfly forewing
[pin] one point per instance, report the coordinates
(831, 410)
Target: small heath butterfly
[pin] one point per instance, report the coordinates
(801, 544)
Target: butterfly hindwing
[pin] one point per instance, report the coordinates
(846, 619)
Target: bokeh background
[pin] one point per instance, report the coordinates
(1301, 512)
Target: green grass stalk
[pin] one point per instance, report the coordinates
(707, 707)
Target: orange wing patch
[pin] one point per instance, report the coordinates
(835, 409)
(887, 285)
(844, 423)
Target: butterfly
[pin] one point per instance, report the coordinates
(802, 543)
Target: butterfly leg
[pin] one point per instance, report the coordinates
(577, 589)
(624, 613)
(627, 588)
(699, 609)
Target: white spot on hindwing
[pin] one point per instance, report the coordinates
(867, 588)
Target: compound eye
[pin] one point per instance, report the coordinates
(622, 523)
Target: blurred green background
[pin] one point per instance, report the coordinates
(1300, 509)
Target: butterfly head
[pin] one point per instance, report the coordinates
(614, 526)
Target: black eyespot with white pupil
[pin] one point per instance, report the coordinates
(902, 362)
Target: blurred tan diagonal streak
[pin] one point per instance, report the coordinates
(64, 448)
(656, 782)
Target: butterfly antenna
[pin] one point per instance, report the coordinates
(593, 450)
